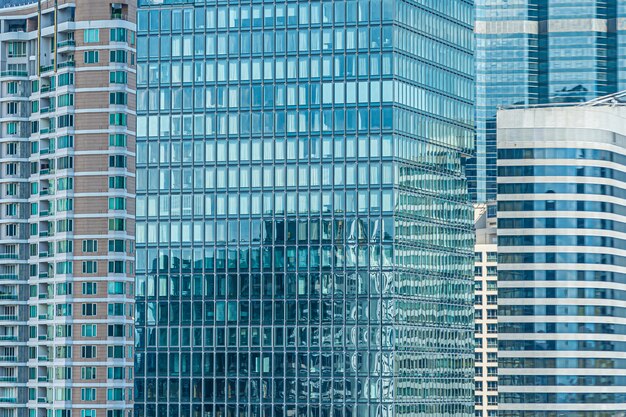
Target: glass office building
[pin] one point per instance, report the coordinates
(561, 262)
(541, 51)
(304, 236)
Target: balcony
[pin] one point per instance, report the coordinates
(14, 74)
(69, 42)
(46, 68)
(8, 296)
(68, 64)
(8, 276)
(8, 379)
(9, 400)
(9, 255)
(8, 317)
(8, 337)
(9, 358)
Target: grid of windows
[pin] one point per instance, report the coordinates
(281, 256)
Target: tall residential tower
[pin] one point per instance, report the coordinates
(304, 236)
(67, 128)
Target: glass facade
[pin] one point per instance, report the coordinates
(304, 237)
(536, 52)
(560, 266)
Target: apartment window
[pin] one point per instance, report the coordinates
(492, 270)
(91, 35)
(65, 141)
(12, 128)
(116, 309)
(65, 162)
(89, 309)
(66, 120)
(88, 372)
(116, 352)
(117, 225)
(118, 98)
(89, 330)
(16, 49)
(88, 394)
(116, 288)
(11, 209)
(116, 372)
(492, 328)
(12, 87)
(118, 35)
(492, 256)
(118, 77)
(117, 267)
(64, 226)
(492, 385)
(92, 57)
(64, 288)
(492, 356)
(88, 413)
(11, 169)
(64, 267)
(90, 267)
(90, 288)
(63, 310)
(117, 245)
(117, 203)
(66, 79)
(12, 107)
(65, 100)
(492, 400)
(65, 246)
(90, 245)
(117, 139)
(116, 330)
(492, 300)
(118, 56)
(115, 394)
(117, 119)
(65, 204)
(117, 182)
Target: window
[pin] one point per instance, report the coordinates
(117, 203)
(118, 35)
(88, 394)
(12, 107)
(90, 267)
(64, 267)
(64, 226)
(65, 204)
(118, 77)
(12, 87)
(115, 372)
(92, 57)
(117, 161)
(118, 56)
(115, 351)
(117, 119)
(65, 142)
(118, 98)
(117, 246)
(118, 139)
(117, 182)
(117, 288)
(65, 100)
(88, 413)
(116, 330)
(88, 372)
(67, 120)
(117, 225)
(115, 394)
(66, 79)
(63, 310)
(89, 309)
(116, 267)
(16, 49)
(89, 288)
(116, 309)
(89, 330)
(90, 245)
(91, 35)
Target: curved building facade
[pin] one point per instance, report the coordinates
(562, 260)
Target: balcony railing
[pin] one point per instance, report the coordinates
(14, 74)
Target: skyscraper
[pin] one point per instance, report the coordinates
(561, 260)
(541, 51)
(67, 123)
(304, 237)
(486, 311)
